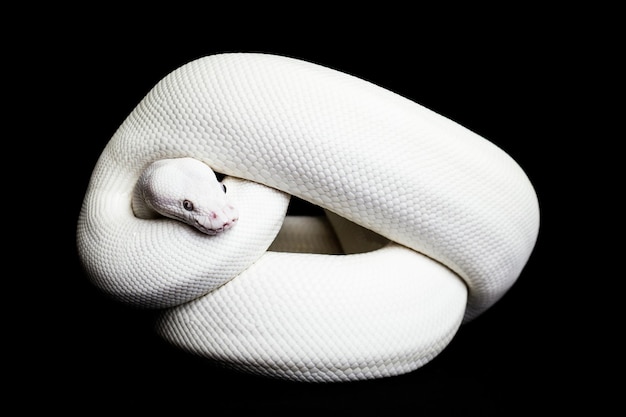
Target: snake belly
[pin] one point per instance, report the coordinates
(459, 215)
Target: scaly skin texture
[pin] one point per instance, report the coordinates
(461, 216)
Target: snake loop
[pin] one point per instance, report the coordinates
(437, 222)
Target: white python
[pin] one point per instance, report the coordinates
(443, 219)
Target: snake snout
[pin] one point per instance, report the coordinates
(230, 215)
(217, 221)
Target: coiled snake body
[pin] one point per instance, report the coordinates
(438, 222)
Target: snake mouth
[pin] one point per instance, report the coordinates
(211, 229)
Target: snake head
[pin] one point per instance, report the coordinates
(187, 190)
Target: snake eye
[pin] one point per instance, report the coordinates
(187, 205)
(224, 187)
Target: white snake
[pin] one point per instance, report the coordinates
(438, 222)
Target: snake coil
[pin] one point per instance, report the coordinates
(435, 222)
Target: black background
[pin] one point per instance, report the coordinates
(507, 82)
